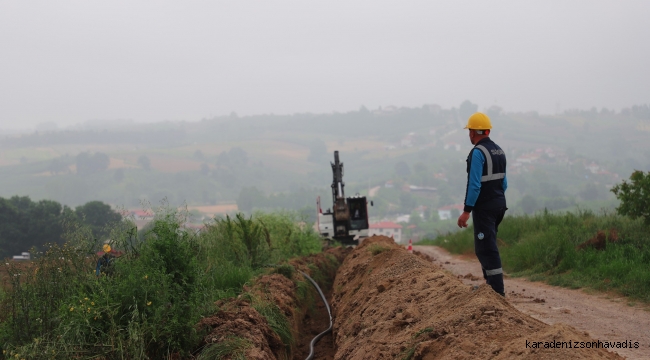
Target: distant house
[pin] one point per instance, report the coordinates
(593, 168)
(429, 189)
(452, 145)
(23, 256)
(421, 210)
(387, 228)
(528, 158)
(444, 213)
(142, 217)
(142, 214)
(403, 218)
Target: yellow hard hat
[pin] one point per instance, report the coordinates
(106, 248)
(479, 121)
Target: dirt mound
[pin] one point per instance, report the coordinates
(239, 328)
(599, 242)
(426, 257)
(390, 304)
(237, 319)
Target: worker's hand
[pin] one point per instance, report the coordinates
(462, 219)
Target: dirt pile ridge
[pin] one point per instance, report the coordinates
(238, 326)
(390, 304)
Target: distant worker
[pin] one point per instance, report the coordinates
(104, 261)
(485, 197)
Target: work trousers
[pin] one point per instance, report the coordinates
(486, 224)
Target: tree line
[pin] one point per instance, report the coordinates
(25, 223)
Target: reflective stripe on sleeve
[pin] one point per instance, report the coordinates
(494, 272)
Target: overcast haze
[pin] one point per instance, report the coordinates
(72, 61)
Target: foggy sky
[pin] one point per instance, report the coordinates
(72, 61)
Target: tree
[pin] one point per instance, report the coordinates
(98, 216)
(249, 198)
(25, 224)
(57, 166)
(466, 110)
(144, 162)
(407, 202)
(12, 233)
(528, 204)
(317, 151)
(238, 156)
(634, 196)
(205, 169)
(89, 164)
(119, 175)
(590, 192)
(198, 154)
(402, 169)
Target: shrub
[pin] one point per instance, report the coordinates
(634, 196)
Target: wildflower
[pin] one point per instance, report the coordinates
(148, 303)
(86, 298)
(146, 276)
(92, 303)
(4, 352)
(72, 309)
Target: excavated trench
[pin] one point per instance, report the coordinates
(389, 304)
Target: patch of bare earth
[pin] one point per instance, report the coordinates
(237, 317)
(316, 320)
(391, 304)
(606, 317)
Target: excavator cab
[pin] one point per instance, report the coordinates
(348, 222)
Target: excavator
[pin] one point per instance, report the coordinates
(348, 222)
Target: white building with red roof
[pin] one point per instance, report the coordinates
(387, 228)
(444, 213)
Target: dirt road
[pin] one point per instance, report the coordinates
(604, 317)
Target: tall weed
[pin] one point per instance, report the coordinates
(545, 245)
(146, 308)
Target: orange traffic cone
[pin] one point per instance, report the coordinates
(410, 247)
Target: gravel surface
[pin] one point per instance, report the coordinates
(605, 317)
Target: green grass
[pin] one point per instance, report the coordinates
(154, 294)
(232, 347)
(278, 322)
(376, 249)
(543, 247)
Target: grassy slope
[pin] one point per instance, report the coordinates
(154, 294)
(543, 247)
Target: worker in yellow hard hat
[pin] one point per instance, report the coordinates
(485, 197)
(104, 261)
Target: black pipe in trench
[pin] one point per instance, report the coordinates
(329, 313)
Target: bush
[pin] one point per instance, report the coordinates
(158, 289)
(634, 196)
(545, 246)
(147, 307)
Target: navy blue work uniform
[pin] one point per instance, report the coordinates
(485, 199)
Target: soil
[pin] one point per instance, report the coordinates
(599, 242)
(391, 304)
(238, 318)
(603, 316)
(316, 321)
